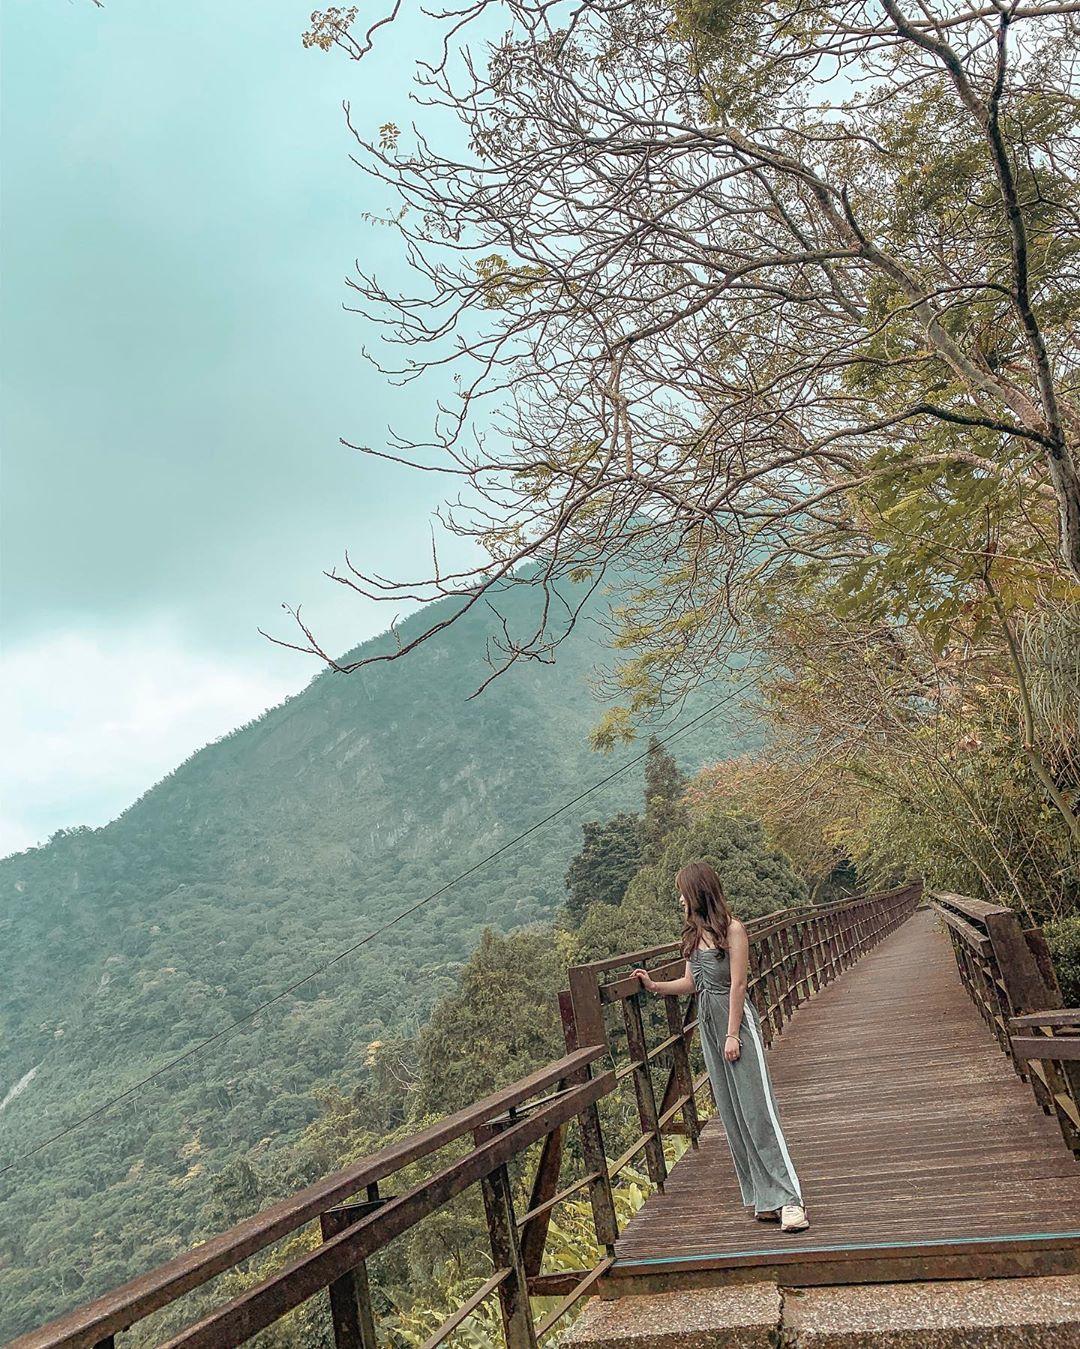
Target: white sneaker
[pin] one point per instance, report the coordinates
(793, 1218)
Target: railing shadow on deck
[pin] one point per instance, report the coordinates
(793, 954)
(1009, 974)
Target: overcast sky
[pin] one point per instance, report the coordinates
(179, 213)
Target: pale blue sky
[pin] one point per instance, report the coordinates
(178, 215)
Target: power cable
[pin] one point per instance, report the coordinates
(225, 1031)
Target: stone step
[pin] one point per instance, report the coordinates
(740, 1316)
(1008, 1313)
(1038, 1313)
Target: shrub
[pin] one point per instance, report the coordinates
(1063, 936)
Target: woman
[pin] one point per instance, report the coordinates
(717, 953)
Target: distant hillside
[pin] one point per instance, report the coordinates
(258, 858)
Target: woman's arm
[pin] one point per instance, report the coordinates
(739, 955)
(667, 986)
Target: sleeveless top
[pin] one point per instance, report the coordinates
(711, 969)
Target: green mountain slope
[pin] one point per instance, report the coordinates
(256, 860)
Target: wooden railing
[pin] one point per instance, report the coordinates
(502, 1127)
(1009, 974)
(793, 953)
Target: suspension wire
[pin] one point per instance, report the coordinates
(235, 1025)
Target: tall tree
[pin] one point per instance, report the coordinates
(665, 810)
(757, 879)
(779, 301)
(497, 1025)
(726, 269)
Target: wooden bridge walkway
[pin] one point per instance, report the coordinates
(916, 1142)
(911, 1050)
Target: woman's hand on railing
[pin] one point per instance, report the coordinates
(647, 981)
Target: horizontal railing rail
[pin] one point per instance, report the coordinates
(1051, 1035)
(1009, 974)
(793, 953)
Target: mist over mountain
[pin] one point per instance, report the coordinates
(256, 860)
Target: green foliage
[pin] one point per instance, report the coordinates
(500, 282)
(1063, 937)
(756, 879)
(499, 1024)
(720, 34)
(328, 26)
(234, 1193)
(610, 855)
(720, 20)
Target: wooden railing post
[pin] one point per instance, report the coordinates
(1020, 987)
(1044, 961)
(789, 1000)
(534, 1231)
(798, 964)
(1026, 989)
(350, 1296)
(846, 937)
(601, 1199)
(773, 1019)
(682, 1071)
(814, 928)
(588, 1010)
(605, 1219)
(518, 1328)
(643, 1089)
(835, 965)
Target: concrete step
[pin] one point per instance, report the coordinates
(1042, 1313)
(1008, 1313)
(741, 1316)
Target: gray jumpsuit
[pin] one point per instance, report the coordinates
(742, 1090)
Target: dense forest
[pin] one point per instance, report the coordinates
(256, 860)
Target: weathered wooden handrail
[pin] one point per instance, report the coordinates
(340, 1254)
(1051, 1043)
(97, 1322)
(1009, 975)
(793, 953)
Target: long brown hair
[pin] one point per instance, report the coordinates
(706, 903)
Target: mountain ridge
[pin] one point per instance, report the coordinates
(258, 857)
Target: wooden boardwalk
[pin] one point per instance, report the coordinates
(920, 1151)
(922, 1154)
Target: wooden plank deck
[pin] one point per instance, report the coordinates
(920, 1151)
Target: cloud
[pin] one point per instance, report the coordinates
(90, 720)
